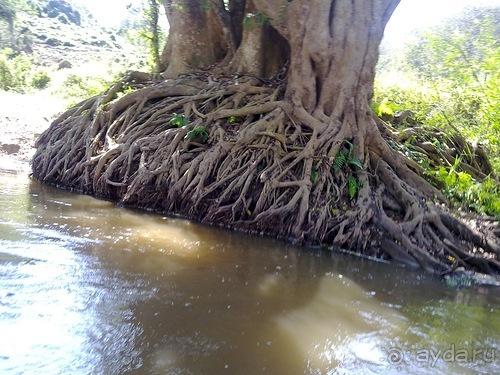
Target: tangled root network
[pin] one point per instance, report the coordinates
(232, 151)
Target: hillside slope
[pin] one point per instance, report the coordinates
(52, 31)
(62, 40)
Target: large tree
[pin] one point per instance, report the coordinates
(262, 122)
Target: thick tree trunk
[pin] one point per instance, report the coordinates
(263, 51)
(196, 39)
(154, 29)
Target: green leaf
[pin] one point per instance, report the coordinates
(353, 160)
(385, 108)
(314, 176)
(353, 186)
(339, 161)
(179, 121)
(199, 134)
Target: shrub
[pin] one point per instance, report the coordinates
(40, 80)
(6, 77)
(22, 67)
(15, 71)
(449, 79)
(77, 88)
(461, 189)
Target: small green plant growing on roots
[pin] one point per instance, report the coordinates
(346, 160)
(199, 134)
(179, 121)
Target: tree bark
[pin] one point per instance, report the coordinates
(263, 51)
(196, 38)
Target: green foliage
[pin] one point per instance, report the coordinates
(339, 161)
(21, 5)
(144, 30)
(8, 12)
(353, 186)
(179, 121)
(449, 79)
(384, 107)
(346, 158)
(347, 161)
(408, 150)
(26, 72)
(235, 119)
(10, 9)
(40, 80)
(461, 189)
(459, 48)
(6, 76)
(78, 88)
(153, 32)
(198, 134)
(314, 175)
(456, 68)
(19, 73)
(22, 67)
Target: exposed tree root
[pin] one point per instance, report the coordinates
(248, 160)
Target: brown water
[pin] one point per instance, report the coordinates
(90, 288)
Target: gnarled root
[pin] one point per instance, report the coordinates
(235, 153)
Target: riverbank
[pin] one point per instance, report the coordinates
(22, 119)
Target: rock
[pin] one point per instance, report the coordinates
(65, 64)
(63, 19)
(99, 43)
(10, 148)
(53, 42)
(63, 11)
(463, 278)
(401, 116)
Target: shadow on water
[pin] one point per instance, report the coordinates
(88, 287)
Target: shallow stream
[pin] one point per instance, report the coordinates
(87, 287)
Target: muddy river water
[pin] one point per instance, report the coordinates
(87, 287)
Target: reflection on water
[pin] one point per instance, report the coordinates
(90, 288)
(343, 325)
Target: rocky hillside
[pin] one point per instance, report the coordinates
(59, 34)
(62, 40)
